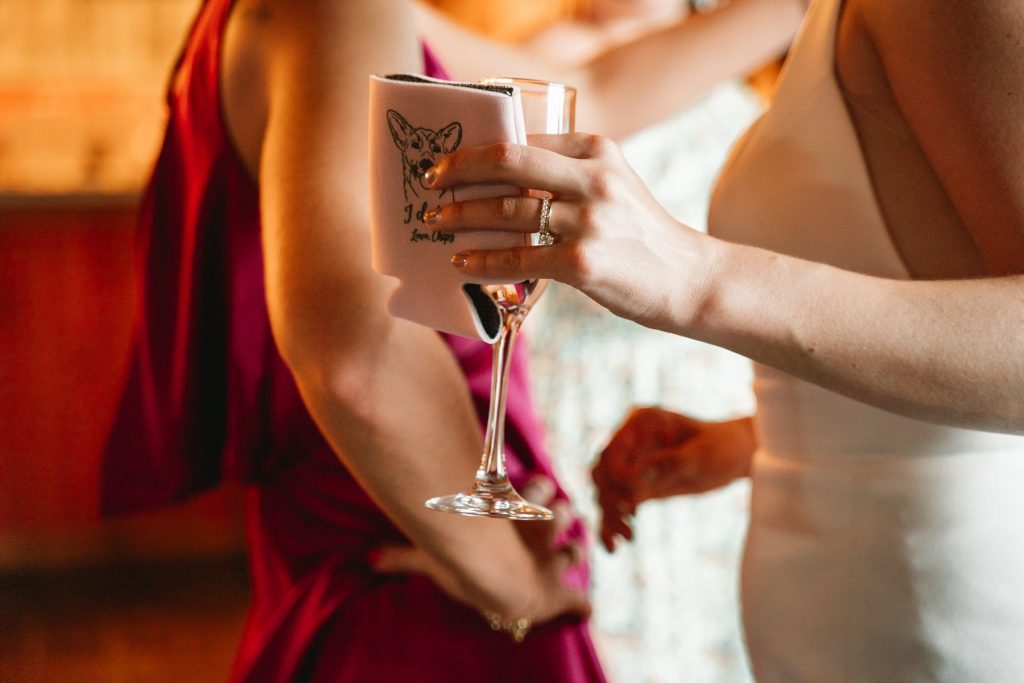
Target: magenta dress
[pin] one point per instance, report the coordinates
(208, 398)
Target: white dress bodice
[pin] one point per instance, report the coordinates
(881, 548)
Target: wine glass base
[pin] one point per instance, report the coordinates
(506, 506)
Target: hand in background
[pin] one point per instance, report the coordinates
(656, 453)
(552, 596)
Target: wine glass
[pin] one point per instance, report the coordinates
(547, 108)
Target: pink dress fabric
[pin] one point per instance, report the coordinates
(208, 398)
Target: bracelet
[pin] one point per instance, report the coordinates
(517, 628)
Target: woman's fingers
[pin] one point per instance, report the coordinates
(614, 526)
(508, 214)
(617, 522)
(538, 536)
(579, 603)
(512, 214)
(617, 509)
(573, 601)
(575, 145)
(513, 265)
(567, 557)
(540, 490)
(576, 170)
(563, 517)
(519, 165)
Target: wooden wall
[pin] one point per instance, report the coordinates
(81, 113)
(81, 84)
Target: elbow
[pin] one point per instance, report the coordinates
(329, 355)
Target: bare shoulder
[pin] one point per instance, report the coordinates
(350, 31)
(321, 52)
(954, 73)
(318, 56)
(944, 34)
(933, 52)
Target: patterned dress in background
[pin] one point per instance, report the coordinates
(666, 605)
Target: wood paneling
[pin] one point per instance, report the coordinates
(81, 91)
(66, 311)
(65, 319)
(171, 623)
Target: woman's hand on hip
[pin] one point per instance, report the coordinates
(552, 595)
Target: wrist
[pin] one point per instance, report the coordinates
(727, 299)
(695, 306)
(516, 623)
(499, 583)
(758, 301)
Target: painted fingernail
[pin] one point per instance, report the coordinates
(459, 261)
(430, 175)
(431, 216)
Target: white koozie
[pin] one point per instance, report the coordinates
(414, 121)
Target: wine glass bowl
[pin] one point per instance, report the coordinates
(519, 296)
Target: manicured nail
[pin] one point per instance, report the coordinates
(459, 261)
(373, 557)
(430, 175)
(432, 216)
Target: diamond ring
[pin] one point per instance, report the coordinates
(544, 235)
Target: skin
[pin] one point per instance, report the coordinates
(939, 128)
(632, 85)
(656, 453)
(623, 89)
(386, 393)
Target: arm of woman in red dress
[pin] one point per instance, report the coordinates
(387, 394)
(636, 84)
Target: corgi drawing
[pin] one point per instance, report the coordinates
(421, 147)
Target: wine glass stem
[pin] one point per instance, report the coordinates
(492, 473)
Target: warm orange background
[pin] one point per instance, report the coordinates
(81, 112)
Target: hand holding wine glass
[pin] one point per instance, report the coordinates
(613, 240)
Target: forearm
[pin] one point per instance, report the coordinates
(640, 82)
(387, 394)
(398, 414)
(644, 81)
(943, 351)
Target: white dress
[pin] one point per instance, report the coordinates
(880, 548)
